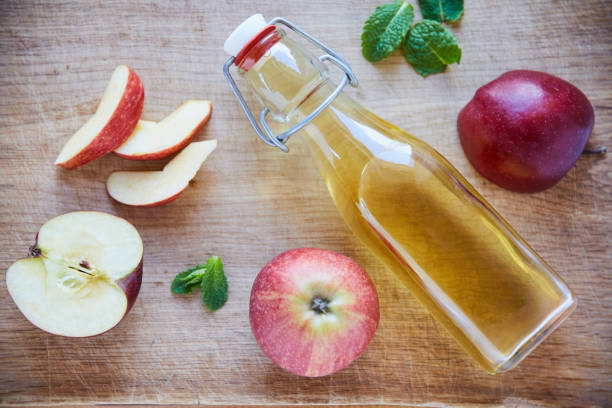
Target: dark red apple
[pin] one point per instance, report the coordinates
(525, 130)
(313, 311)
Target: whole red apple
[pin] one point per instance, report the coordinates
(525, 130)
(313, 311)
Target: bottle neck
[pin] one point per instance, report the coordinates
(281, 73)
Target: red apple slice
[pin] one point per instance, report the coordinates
(150, 188)
(111, 125)
(85, 275)
(152, 140)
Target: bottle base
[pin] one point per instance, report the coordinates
(531, 343)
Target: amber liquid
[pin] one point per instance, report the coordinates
(420, 217)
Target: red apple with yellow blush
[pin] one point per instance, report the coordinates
(313, 311)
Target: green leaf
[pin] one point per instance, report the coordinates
(187, 280)
(442, 10)
(429, 48)
(214, 284)
(385, 30)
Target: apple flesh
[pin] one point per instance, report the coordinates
(313, 311)
(152, 140)
(525, 130)
(111, 125)
(83, 277)
(151, 188)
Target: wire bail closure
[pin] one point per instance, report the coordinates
(266, 133)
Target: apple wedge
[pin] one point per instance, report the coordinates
(151, 188)
(111, 125)
(83, 277)
(152, 140)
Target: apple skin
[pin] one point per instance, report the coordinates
(525, 130)
(293, 344)
(131, 287)
(155, 204)
(167, 152)
(118, 129)
(166, 201)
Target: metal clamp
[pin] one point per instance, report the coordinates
(266, 134)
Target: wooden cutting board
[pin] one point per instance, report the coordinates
(250, 202)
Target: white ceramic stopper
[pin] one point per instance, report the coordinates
(243, 34)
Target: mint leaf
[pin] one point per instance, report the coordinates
(214, 284)
(187, 280)
(385, 30)
(211, 279)
(430, 47)
(441, 10)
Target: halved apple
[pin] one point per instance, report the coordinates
(150, 188)
(111, 125)
(83, 277)
(152, 140)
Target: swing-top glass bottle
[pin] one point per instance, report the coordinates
(406, 202)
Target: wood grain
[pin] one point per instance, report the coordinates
(250, 202)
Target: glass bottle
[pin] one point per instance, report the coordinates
(479, 279)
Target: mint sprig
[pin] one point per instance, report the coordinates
(211, 279)
(385, 30)
(427, 46)
(442, 10)
(430, 47)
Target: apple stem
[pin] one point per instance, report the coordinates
(320, 305)
(597, 150)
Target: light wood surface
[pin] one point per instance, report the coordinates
(250, 202)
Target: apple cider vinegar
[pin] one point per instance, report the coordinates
(416, 213)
